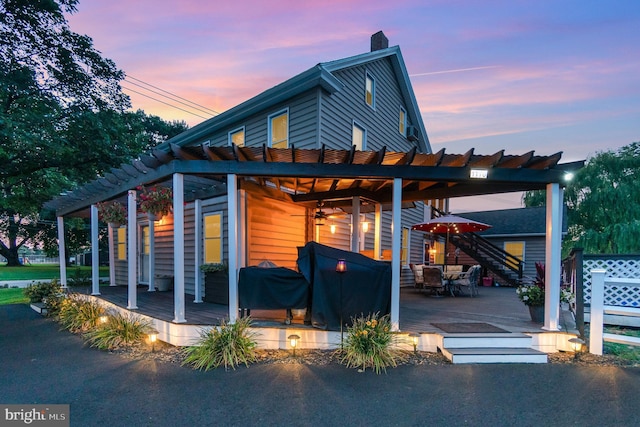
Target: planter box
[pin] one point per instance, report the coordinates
(163, 284)
(216, 287)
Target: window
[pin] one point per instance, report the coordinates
(279, 130)
(404, 250)
(213, 238)
(359, 137)
(122, 243)
(237, 137)
(370, 91)
(516, 249)
(402, 125)
(146, 240)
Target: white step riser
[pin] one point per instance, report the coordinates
(507, 358)
(469, 342)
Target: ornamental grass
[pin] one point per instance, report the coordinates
(78, 314)
(369, 344)
(228, 345)
(119, 330)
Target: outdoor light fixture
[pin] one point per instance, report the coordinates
(414, 339)
(332, 227)
(103, 319)
(576, 345)
(293, 340)
(153, 337)
(365, 226)
(568, 176)
(341, 266)
(479, 173)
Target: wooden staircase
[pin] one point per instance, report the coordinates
(490, 348)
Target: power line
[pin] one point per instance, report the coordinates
(163, 102)
(208, 110)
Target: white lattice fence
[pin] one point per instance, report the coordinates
(618, 295)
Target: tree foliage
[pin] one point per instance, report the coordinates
(62, 115)
(603, 203)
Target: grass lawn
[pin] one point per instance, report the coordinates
(41, 272)
(624, 351)
(12, 296)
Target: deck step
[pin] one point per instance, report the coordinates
(494, 355)
(486, 340)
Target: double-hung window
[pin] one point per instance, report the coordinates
(122, 243)
(279, 129)
(370, 91)
(402, 123)
(236, 137)
(359, 137)
(213, 238)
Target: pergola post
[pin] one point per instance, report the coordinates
(355, 224)
(553, 258)
(62, 256)
(152, 253)
(178, 248)
(232, 206)
(95, 255)
(112, 256)
(396, 243)
(132, 241)
(377, 234)
(198, 249)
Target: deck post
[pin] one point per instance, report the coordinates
(62, 257)
(377, 227)
(95, 254)
(232, 207)
(553, 258)
(178, 248)
(597, 311)
(112, 256)
(396, 244)
(132, 278)
(355, 224)
(197, 217)
(152, 254)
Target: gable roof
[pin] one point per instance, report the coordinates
(321, 75)
(514, 222)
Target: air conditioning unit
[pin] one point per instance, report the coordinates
(412, 133)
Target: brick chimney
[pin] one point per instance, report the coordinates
(379, 41)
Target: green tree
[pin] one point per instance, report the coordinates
(62, 115)
(603, 203)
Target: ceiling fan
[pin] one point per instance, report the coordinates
(320, 216)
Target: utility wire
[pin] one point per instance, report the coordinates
(165, 96)
(208, 110)
(163, 102)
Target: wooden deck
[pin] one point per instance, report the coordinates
(497, 306)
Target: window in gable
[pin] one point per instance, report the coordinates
(279, 129)
(237, 137)
(402, 125)
(370, 91)
(359, 137)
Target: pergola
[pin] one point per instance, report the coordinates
(345, 178)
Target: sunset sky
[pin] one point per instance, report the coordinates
(516, 75)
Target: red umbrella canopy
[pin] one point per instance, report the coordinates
(450, 224)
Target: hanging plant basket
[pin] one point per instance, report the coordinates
(156, 200)
(112, 213)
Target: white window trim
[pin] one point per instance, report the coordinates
(236, 130)
(204, 235)
(403, 110)
(269, 130)
(364, 134)
(368, 75)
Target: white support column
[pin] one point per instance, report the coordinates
(152, 253)
(95, 254)
(62, 256)
(197, 217)
(178, 248)
(132, 243)
(396, 244)
(355, 224)
(232, 203)
(553, 257)
(112, 256)
(242, 228)
(377, 230)
(597, 311)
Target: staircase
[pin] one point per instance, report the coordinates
(495, 259)
(490, 348)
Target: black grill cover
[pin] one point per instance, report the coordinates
(272, 288)
(365, 287)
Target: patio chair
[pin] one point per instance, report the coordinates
(417, 275)
(433, 280)
(468, 280)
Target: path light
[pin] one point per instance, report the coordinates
(341, 268)
(414, 339)
(293, 340)
(153, 337)
(576, 345)
(103, 319)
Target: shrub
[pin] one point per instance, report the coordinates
(78, 314)
(228, 345)
(120, 329)
(38, 292)
(80, 277)
(369, 343)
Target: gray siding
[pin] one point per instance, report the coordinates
(342, 108)
(534, 251)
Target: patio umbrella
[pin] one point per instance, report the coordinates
(450, 224)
